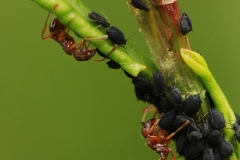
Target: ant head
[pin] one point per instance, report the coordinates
(147, 127)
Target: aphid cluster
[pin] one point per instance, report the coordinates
(174, 114)
(201, 139)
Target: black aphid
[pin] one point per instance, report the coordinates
(181, 119)
(225, 148)
(116, 35)
(237, 117)
(192, 104)
(193, 150)
(206, 129)
(208, 153)
(215, 138)
(143, 95)
(140, 5)
(163, 105)
(98, 19)
(185, 24)
(216, 119)
(128, 75)
(181, 143)
(113, 65)
(158, 83)
(142, 83)
(236, 127)
(167, 120)
(195, 136)
(175, 96)
(101, 54)
(143, 89)
(217, 154)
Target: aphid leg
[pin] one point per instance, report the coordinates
(154, 138)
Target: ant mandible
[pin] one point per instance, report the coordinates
(157, 138)
(59, 33)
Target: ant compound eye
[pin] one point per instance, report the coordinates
(146, 125)
(89, 53)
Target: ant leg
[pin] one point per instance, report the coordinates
(114, 48)
(145, 113)
(64, 32)
(172, 158)
(49, 35)
(45, 26)
(159, 118)
(44, 30)
(155, 113)
(153, 109)
(172, 134)
(164, 151)
(81, 43)
(155, 138)
(99, 38)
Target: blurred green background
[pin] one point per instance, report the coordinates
(53, 107)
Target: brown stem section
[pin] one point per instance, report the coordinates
(161, 29)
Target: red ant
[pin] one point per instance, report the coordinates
(59, 33)
(157, 138)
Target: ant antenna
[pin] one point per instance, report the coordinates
(127, 39)
(104, 15)
(145, 113)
